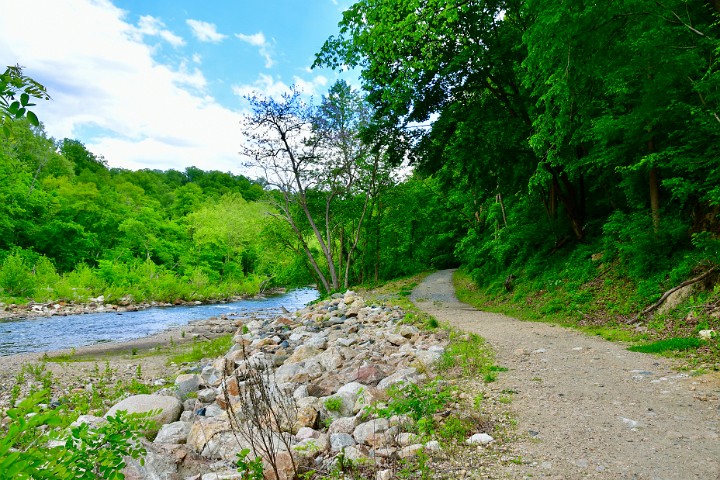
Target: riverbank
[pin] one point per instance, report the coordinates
(145, 360)
(32, 309)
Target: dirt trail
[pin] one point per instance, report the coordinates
(586, 407)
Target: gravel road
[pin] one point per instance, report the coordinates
(586, 407)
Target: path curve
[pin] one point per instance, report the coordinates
(586, 407)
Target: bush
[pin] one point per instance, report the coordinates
(25, 451)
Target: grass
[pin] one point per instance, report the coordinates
(214, 348)
(670, 344)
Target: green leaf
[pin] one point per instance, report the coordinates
(33, 118)
(24, 99)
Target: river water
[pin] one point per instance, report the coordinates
(58, 332)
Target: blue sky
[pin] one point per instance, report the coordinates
(159, 84)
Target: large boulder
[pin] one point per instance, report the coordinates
(169, 408)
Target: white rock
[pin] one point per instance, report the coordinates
(207, 395)
(338, 441)
(187, 384)
(170, 407)
(707, 334)
(479, 439)
(176, 432)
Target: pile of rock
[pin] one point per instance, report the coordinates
(331, 360)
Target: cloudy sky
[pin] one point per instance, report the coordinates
(159, 84)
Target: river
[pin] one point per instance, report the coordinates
(58, 332)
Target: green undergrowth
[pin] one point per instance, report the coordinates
(599, 301)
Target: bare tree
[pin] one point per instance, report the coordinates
(306, 153)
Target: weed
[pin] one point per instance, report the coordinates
(333, 404)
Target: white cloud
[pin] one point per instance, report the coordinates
(259, 40)
(151, 26)
(103, 79)
(204, 31)
(264, 86)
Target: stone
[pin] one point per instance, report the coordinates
(169, 407)
(226, 475)
(433, 446)
(338, 441)
(428, 358)
(383, 475)
(675, 299)
(307, 433)
(479, 439)
(331, 359)
(207, 395)
(176, 432)
(91, 420)
(203, 429)
(343, 425)
(411, 450)
(302, 352)
(367, 433)
(396, 339)
(187, 384)
(291, 372)
(369, 375)
(406, 375)
(306, 417)
(211, 376)
(405, 438)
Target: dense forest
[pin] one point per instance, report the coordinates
(71, 229)
(571, 146)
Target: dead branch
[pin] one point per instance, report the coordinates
(665, 295)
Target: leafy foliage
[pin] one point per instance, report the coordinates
(36, 446)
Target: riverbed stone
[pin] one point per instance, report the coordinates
(338, 441)
(187, 384)
(176, 432)
(169, 407)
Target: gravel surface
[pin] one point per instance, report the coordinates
(586, 407)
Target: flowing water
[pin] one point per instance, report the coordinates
(58, 332)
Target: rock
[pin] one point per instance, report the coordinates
(207, 395)
(675, 299)
(176, 432)
(91, 420)
(306, 433)
(433, 446)
(291, 372)
(338, 441)
(406, 375)
(368, 432)
(343, 425)
(170, 407)
(707, 334)
(479, 439)
(396, 339)
(302, 352)
(187, 384)
(411, 450)
(307, 416)
(383, 475)
(204, 429)
(369, 375)
(211, 376)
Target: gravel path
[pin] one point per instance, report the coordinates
(586, 407)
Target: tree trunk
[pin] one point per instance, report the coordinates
(569, 201)
(498, 198)
(655, 199)
(654, 191)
